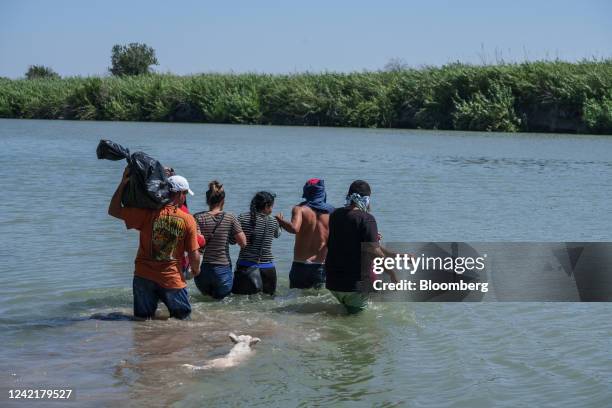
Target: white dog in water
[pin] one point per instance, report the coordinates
(240, 352)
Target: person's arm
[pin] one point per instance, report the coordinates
(198, 229)
(199, 233)
(374, 248)
(294, 226)
(114, 208)
(392, 274)
(277, 228)
(194, 261)
(240, 239)
(192, 246)
(236, 235)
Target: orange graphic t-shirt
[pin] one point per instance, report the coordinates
(165, 235)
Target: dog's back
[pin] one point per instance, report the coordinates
(241, 351)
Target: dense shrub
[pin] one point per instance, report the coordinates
(534, 96)
(492, 112)
(598, 115)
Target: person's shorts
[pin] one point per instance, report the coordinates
(354, 302)
(306, 275)
(214, 280)
(147, 295)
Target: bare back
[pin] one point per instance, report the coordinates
(311, 238)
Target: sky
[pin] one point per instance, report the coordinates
(190, 36)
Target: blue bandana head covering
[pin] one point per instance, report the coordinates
(315, 196)
(361, 202)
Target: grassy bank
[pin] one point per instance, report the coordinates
(536, 97)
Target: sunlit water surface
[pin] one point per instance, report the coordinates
(64, 259)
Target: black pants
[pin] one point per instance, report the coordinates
(249, 280)
(306, 275)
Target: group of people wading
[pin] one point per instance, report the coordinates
(175, 244)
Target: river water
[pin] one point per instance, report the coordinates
(63, 259)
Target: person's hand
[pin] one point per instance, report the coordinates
(379, 237)
(126, 175)
(279, 217)
(187, 274)
(201, 240)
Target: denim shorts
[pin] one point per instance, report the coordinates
(147, 294)
(215, 280)
(305, 275)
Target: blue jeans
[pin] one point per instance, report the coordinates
(214, 280)
(148, 293)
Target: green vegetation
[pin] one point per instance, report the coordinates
(535, 96)
(132, 59)
(40, 71)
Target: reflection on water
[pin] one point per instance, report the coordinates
(516, 163)
(65, 289)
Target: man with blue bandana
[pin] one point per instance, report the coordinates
(310, 224)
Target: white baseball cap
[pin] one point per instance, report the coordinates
(179, 183)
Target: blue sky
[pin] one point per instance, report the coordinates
(75, 37)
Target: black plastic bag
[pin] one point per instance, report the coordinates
(148, 186)
(111, 151)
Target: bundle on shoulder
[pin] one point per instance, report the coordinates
(148, 186)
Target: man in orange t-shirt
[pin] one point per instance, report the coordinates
(165, 235)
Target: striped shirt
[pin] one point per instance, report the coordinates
(256, 242)
(216, 250)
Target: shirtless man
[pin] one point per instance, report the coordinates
(310, 224)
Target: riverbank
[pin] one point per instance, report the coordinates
(530, 97)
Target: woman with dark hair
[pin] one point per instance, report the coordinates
(220, 229)
(255, 269)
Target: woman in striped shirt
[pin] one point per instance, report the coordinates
(220, 230)
(255, 270)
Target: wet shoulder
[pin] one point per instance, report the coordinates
(308, 213)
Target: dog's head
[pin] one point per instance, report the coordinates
(251, 341)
